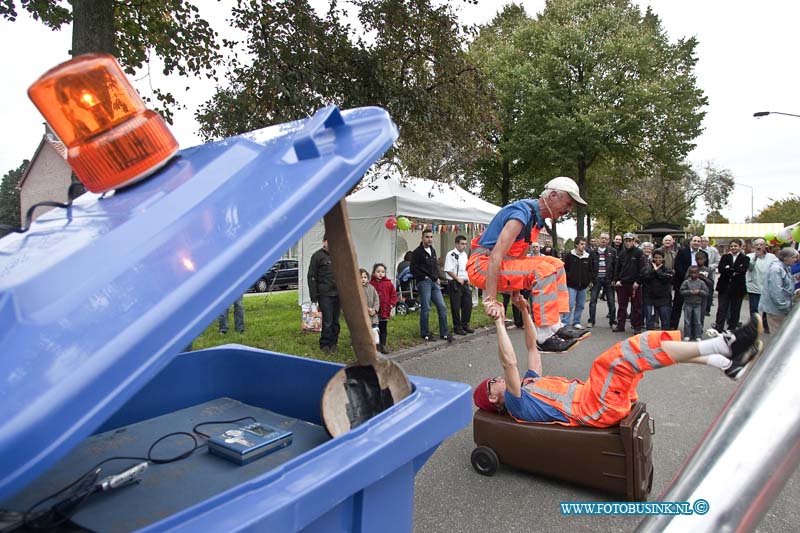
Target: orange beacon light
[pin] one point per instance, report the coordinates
(112, 140)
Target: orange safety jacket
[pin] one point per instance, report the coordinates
(543, 275)
(606, 397)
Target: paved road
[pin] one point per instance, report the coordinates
(684, 400)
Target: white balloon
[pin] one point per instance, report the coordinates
(785, 234)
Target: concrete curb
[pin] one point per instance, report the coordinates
(432, 346)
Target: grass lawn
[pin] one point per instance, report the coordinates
(273, 323)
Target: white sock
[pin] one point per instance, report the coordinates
(544, 332)
(557, 326)
(714, 345)
(719, 361)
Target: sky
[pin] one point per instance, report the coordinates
(747, 63)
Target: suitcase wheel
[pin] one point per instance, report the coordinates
(401, 309)
(484, 461)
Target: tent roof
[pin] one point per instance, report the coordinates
(742, 230)
(388, 195)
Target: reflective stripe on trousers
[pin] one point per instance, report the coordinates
(606, 396)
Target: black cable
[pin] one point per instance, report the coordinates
(64, 517)
(194, 429)
(75, 190)
(184, 455)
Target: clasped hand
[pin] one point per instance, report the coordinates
(493, 308)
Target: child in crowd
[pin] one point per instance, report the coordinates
(694, 291)
(373, 304)
(707, 275)
(388, 298)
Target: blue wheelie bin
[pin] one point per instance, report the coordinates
(97, 303)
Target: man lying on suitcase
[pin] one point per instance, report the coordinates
(606, 396)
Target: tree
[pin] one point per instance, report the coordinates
(9, 196)
(298, 61)
(715, 217)
(131, 31)
(785, 210)
(599, 80)
(666, 194)
(500, 172)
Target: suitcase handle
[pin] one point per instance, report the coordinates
(652, 426)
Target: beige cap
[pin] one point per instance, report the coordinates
(567, 185)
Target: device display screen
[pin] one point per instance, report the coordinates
(261, 431)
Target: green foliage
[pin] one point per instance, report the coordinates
(52, 13)
(171, 29)
(274, 324)
(662, 193)
(9, 195)
(591, 81)
(297, 61)
(501, 174)
(785, 210)
(697, 227)
(715, 217)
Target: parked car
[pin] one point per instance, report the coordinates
(281, 275)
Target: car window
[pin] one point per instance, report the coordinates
(291, 264)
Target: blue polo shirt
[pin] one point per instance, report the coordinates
(531, 409)
(519, 210)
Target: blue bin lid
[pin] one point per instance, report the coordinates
(96, 301)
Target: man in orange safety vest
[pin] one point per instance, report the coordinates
(499, 262)
(606, 396)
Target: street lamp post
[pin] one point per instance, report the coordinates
(751, 197)
(760, 114)
(765, 113)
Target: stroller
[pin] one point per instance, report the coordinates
(407, 294)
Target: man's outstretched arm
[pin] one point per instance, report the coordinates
(534, 357)
(508, 359)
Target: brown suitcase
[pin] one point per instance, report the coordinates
(616, 459)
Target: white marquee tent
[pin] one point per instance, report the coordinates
(421, 200)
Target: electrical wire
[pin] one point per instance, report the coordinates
(31, 521)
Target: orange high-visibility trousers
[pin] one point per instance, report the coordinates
(543, 275)
(606, 397)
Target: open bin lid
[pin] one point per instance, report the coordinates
(94, 303)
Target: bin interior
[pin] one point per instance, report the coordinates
(315, 482)
(212, 385)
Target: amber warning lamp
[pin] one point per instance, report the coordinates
(112, 140)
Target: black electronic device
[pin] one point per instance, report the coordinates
(247, 443)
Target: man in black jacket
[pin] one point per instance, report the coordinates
(604, 259)
(322, 289)
(731, 285)
(425, 269)
(627, 280)
(580, 274)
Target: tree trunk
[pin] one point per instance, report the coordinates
(588, 225)
(92, 27)
(581, 210)
(555, 236)
(505, 190)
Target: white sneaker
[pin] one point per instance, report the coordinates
(711, 332)
(687, 339)
(578, 326)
